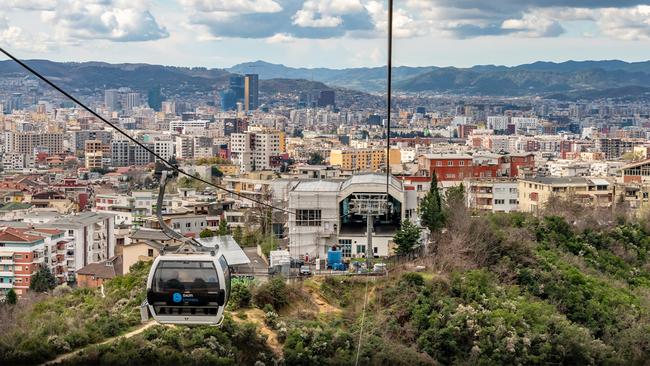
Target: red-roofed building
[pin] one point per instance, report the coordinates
(23, 251)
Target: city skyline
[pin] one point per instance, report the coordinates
(318, 33)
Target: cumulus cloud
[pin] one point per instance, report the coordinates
(295, 18)
(625, 19)
(114, 20)
(28, 4)
(239, 6)
(281, 38)
(627, 24)
(17, 38)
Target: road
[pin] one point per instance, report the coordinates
(256, 267)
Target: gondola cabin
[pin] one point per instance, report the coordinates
(188, 289)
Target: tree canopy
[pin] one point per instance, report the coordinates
(42, 281)
(407, 237)
(431, 211)
(223, 228)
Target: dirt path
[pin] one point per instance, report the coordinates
(319, 300)
(130, 334)
(257, 316)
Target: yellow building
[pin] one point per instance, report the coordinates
(363, 159)
(535, 193)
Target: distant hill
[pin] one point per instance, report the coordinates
(369, 79)
(571, 79)
(100, 75)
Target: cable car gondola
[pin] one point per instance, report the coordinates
(188, 284)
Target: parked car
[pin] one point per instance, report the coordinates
(305, 271)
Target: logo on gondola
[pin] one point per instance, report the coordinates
(177, 297)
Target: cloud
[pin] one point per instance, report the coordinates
(626, 24)
(28, 4)
(318, 19)
(528, 18)
(16, 38)
(113, 20)
(238, 6)
(531, 25)
(281, 38)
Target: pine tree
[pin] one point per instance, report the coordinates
(238, 235)
(42, 281)
(407, 237)
(223, 228)
(431, 211)
(455, 197)
(11, 297)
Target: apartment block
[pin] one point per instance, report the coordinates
(492, 194)
(534, 193)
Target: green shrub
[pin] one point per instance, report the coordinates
(240, 295)
(412, 279)
(273, 293)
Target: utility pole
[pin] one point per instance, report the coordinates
(369, 251)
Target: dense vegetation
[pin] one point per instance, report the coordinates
(569, 289)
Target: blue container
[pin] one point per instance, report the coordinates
(339, 267)
(334, 256)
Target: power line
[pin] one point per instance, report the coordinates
(363, 319)
(145, 147)
(389, 91)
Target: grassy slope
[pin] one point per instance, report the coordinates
(519, 290)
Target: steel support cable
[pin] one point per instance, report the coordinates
(389, 109)
(149, 150)
(132, 139)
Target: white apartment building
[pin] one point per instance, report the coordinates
(164, 148)
(17, 161)
(525, 125)
(498, 123)
(490, 194)
(255, 151)
(93, 234)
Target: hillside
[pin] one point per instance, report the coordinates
(539, 78)
(569, 287)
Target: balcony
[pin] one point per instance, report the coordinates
(6, 285)
(6, 274)
(6, 261)
(39, 260)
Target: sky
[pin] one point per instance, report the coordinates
(326, 33)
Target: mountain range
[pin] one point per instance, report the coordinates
(539, 78)
(566, 80)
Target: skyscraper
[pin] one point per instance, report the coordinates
(251, 92)
(154, 99)
(111, 99)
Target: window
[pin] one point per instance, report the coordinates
(18, 256)
(361, 249)
(150, 252)
(70, 232)
(346, 247)
(189, 224)
(461, 163)
(450, 163)
(513, 202)
(499, 202)
(308, 217)
(438, 163)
